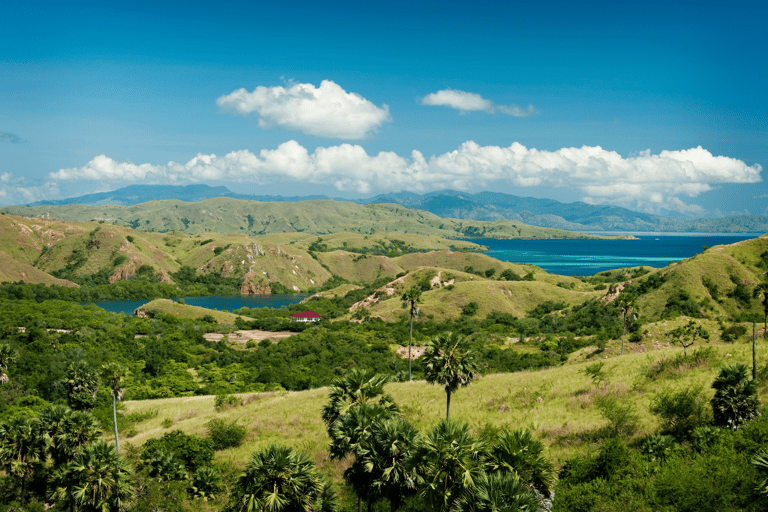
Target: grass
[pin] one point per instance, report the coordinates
(557, 403)
(187, 312)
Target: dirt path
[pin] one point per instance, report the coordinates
(248, 335)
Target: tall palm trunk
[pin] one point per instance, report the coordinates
(447, 404)
(114, 419)
(410, 342)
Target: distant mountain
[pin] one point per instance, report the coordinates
(137, 194)
(483, 206)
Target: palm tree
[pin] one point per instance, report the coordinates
(206, 484)
(51, 422)
(449, 461)
(280, 479)
(762, 289)
(166, 467)
(410, 298)
(112, 375)
(96, 480)
(356, 388)
(79, 429)
(625, 304)
(518, 452)
(81, 383)
(353, 433)
(388, 456)
(449, 365)
(498, 492)
(736, 399)
(22, 450)
(7, 355)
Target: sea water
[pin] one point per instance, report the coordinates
(586, 257)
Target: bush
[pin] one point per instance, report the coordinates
(222, 402)
(680, 411)
(193, 451)
(733, 333)
(226, 435)
(658, 447)
(621, 416)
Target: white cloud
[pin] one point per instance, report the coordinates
(15, 190)
(644, 181)
(327, 111)
(469, 101)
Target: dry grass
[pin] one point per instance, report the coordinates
(557, 403)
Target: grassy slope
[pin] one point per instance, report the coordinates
(186, 311)
(564, 415)
(225, 215)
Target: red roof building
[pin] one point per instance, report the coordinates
(306, 316)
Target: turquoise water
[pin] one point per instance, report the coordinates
(587, 257)
(220, 303)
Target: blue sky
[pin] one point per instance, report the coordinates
(655, 106)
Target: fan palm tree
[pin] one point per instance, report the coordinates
(7, 355)
(736, 399)
(388, 459)
(51, 422)
(112, 375)
(760, 463)
(449, 365)
(206, 484)
(356, 388)
(498, 492)
(280, 479)
(96, 480)
(762, 290)
(411, 298)
(22, 450)
(625, 305)
(518, 452)
(449, 461)
(81, 383)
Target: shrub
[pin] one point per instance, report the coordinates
(193, 451)
(680, 411)
(733, 333)
(705, 437)
(225, 435)
(658, 447)
(735, 399)
(622, 417)
(222, 402)
(206, 484)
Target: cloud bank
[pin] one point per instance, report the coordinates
(327, 111)
(469, 101)
(14, 190)
(647, 182)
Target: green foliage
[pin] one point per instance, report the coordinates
(166, 467)
(733, 333)
(495, 492)
(680, 411)
(509, 275)
(518, 453)
(448, 363)
(622, 418)
(222, 402)
(668, 367)
(193, 451)
(595, 372)
(658, 447)
(225, 435)
(470, 309)
(681, 303)
(281, 479)
(736, 400)
(206, 484)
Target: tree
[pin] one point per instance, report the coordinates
(81, 383)
(625, 305)
(449, 461)
(736, 400)
(762, 290)
(686, 335)
(498, 492)
(7, 355)
(22, 450)
(358, 387)
(388, 457)
(206, 484)
(96, 480)
(79, 429)
(112, 375)
(449, 365)
(280, 479)
(411, 298)
(517, 451)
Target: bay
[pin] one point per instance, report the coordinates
(587, 257)
(220, 303)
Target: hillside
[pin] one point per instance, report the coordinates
(233, 216)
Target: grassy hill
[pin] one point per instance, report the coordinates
(320, 217)
(566, 418)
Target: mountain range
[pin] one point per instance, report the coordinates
(483, 206)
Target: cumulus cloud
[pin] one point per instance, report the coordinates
(16, 190)
(644, 181)
(10, 137)
(469, 101)
(326, 111)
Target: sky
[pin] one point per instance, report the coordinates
(658, 107)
